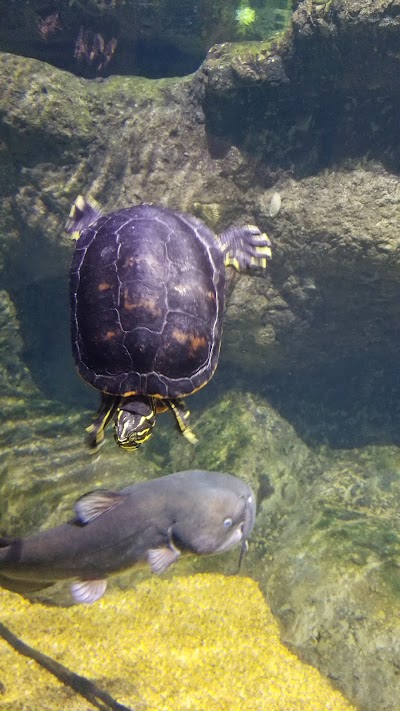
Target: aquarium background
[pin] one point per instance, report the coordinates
(151, 38)
(213, 109)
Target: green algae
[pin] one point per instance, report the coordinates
(139, 88)
(350, 536)
(232, 65)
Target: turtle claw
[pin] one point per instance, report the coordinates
(190, 435)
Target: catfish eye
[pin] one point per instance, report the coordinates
(228, 522)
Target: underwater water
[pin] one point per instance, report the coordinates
(151, 38)
(237, 114)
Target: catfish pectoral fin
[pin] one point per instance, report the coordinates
(88, 591)
(22, 586)
(161, 558)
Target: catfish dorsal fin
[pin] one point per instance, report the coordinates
(95, 503)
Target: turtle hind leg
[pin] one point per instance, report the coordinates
(182, 417)
(106, 411)
(245, 247)
(83, 213)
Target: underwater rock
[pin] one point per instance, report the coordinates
(339, 230)
(204, 641)
(15, 379)
(331, 573)
(315, 98)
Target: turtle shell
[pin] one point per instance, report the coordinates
(147, 299)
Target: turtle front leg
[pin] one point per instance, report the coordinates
(106, 411)
(182, 417)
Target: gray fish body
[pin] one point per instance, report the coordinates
(153, 521)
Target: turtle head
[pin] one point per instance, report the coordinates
(134, 421)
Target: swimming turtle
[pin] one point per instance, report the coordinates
(147, 302)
